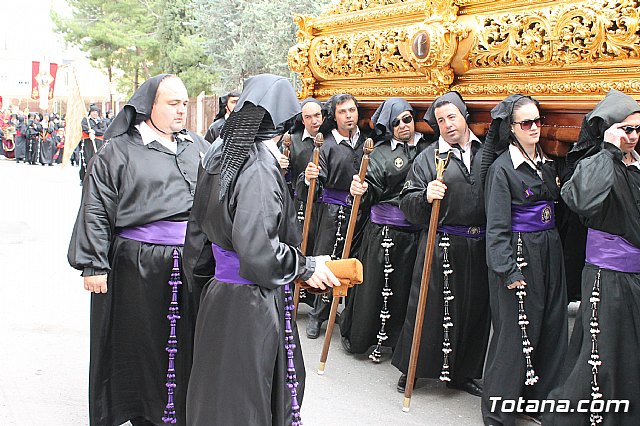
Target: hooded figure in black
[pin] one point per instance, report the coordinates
(340, 158)
(604, 191)
(226, 104)
(47, 142)
(247, 365)
(456, 320)
(34, 135)
(303, 132)
(127, 241)
(93, 128)
(21, 139)
(526, 270)
(375, 312)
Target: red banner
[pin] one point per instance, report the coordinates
(35, 92)
(53, 69)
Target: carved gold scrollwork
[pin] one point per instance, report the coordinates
(345, 6)
(430, 48)
(602, 30)
(593, 88)
(359, 55)
(298, 56)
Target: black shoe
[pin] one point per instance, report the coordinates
(313, 329)
(346, 344)
(402, 383)
(469, 386)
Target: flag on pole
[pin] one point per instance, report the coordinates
(76, 111)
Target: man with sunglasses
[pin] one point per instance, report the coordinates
(375, 313)
(456, 331)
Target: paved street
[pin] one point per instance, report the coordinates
(45, 328)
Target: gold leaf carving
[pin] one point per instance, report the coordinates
(597, 87)
(360, 55)
(345, 6)
(602, 30)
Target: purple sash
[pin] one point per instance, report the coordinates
(166, 233)
(613, 252)
(335, 196)
(388, 214)
(227, 266)
(534, 217)
(162, 232)
(463, 231)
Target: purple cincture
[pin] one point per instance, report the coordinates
(388, 214)
(166, 233)
(463, 231)
(612, 252)
(228, 271)
(335, 196)
(534, 217)
(162, 232)
(292, 380)
(227, 266)
(172, 343)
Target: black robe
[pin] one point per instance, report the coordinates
(47, 145)
(462, 205)
(240, 362)
(129, 184)
(88, 147)
(360, 322)
(33, 133)
(546, 300)
(338, 163)
(213, 132)
(21, 142)
(606, 195)
(300, 154)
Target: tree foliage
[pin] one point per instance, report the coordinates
(209, 44)
(135, 39)
(245, 38)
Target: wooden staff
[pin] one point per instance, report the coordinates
(441, 165)
(319, 140)
(341, 291)
(286, 141)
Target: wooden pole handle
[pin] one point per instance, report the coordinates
(319, 140)
(368, 148)
(441, 165)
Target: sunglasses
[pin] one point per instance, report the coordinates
(630, 129)
(406, 120)
(526, 124)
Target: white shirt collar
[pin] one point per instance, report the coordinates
(517, 158)
(395, 142)
(636, 157)
(149, 135)
(273, 147)
(339, 138)
(443, 146)
(306, 134)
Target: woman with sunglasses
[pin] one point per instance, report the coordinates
(526, 271)
(604, 191)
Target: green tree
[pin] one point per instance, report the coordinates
(183, 50)
(116, 35)
(245, 38)
(132, 40)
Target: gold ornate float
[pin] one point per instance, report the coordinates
(567, 54)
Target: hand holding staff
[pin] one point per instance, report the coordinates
(319, 140)
(441, 165)
(286, 141)
(342, 290)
